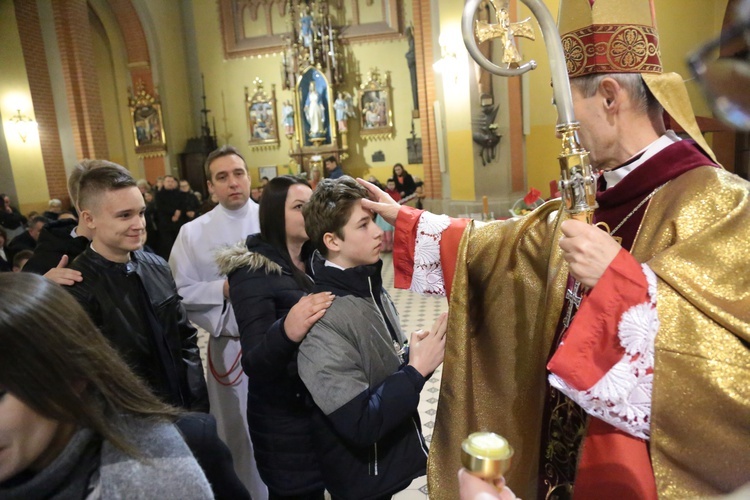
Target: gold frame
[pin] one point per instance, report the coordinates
(374, 93)
(148, 123)
(266, 104)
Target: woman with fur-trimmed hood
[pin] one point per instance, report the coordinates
(268, 287)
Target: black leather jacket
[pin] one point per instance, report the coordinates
(136, 307)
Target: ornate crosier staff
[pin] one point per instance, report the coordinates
(577, 182)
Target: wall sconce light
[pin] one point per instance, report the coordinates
(447, 65)
(23, 125)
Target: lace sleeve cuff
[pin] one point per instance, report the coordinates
(428, 276)
(622, 396)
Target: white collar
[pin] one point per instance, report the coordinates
(612, 177)
(328, 263)
(240, 213)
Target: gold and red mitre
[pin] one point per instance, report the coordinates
(609, 36)
(620, 36)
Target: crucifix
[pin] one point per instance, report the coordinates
(574, 298)
(506, 31)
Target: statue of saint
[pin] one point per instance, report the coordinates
(287, 112)
(306, 28)
(314, 112)
(344, 110)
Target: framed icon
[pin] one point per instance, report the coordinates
(148, 124)
(375, 105)
(260, 109)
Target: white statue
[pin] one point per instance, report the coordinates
(315, 112)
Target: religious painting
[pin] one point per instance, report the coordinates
(148, 128)
(315, 118)
(260, 109)
(268, 172)
(376, 115)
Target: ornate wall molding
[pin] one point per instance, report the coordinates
(346, 14)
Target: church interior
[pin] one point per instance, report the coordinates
(155, 85)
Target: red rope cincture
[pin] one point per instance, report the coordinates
(219, 376)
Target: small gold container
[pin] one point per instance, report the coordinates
(486, 455)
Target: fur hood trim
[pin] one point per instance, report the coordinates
(233, 257)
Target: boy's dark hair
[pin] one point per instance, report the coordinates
(331, 159)
(99, 180)
(225, 150)
(329, 209)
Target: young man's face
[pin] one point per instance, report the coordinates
(118, 222)
(330, 165)
(361, 243)
(184, 186)
(229, 181)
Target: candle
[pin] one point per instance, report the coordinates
(488, 445)
(485, 205)
(486, 455)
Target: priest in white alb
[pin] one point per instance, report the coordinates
(205, 295)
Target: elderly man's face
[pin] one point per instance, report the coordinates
(596, 134)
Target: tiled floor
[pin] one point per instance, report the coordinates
(416, 312)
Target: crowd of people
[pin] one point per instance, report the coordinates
(615, 362)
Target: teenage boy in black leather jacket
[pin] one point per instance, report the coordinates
(131, 295)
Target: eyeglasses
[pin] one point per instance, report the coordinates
(725, 81)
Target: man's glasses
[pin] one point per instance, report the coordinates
(725, 81)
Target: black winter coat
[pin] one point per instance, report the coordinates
(136, 307)
(54, 242)
(12, 220)
(23, 241)
(200, 434)
(263, 290)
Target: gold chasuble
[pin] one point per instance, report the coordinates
(507, 298)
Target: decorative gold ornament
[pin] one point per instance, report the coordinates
(506, 31)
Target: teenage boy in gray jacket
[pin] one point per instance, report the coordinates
(363, 380)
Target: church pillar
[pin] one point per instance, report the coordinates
(40, 87)
(426, 91)
(77, 56)
(22, 174)
(139, 65)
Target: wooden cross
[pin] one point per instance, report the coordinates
(574, 301)
(505, 31)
